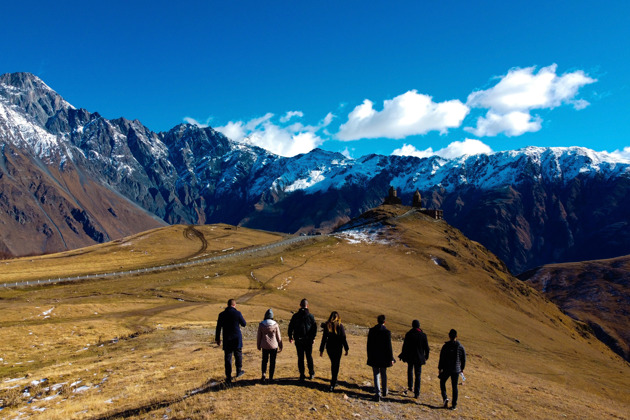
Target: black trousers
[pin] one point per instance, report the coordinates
(305, 349)
(238, 361)
(414, 383)
(269, 355)
(454, 377)
(335, 361)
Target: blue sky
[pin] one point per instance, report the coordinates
(411, 77)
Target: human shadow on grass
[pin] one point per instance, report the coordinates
(352, 390)
(212, 385)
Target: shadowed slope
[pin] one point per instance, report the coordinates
(594, 292)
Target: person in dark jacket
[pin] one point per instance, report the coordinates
(380, 355)
(302, 329)
(415, 352)
(452, 363)
(231, 321)
(334, 340)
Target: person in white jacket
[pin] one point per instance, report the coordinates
(269, 341)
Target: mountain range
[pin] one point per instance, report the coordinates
(71, 178)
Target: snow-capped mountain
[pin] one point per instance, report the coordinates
(529, 206)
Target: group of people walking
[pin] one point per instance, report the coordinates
(380, 355)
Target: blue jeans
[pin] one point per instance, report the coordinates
(380, 375)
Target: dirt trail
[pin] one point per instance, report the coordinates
(192, 233)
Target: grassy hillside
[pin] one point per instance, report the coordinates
(141, 346)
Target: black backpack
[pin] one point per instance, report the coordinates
(302, 326)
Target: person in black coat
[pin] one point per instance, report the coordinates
(380, 355)
(452, 363)
(415, 352)
(302, 329)
(231, 321)
(334, 340)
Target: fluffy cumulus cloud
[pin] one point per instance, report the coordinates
(511, 101)
(280, 139)
(513, 123)
(453, 150)
(408, 114)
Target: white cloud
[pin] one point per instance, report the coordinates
(511, 101)
(290, 115)
(282, 140)
(327, 119)
(346, 153)
(512, 124)
(408, 114)
(623, 155)
(193, 121)
(453, 150)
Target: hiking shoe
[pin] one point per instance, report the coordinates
(311, 376)
(445, 402)
(240, 373)
(302, 377)
(454, 408)
(416, 396)
(377, 398)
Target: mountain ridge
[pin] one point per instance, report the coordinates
(530, 207)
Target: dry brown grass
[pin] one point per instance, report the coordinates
(150, 337)
(152, 248)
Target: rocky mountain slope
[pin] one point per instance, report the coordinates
(530, 206)
(594, 292)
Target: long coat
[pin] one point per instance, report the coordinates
(230, 321)
(415, 349)
(379, 347)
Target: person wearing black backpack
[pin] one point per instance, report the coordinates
(452, 363)
(302, 329)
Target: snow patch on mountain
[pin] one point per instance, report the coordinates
(374, 234)
(314, 177)
(16, 127)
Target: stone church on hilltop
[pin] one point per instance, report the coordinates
(392, 198)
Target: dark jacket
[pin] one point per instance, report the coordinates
(452, 358)
(415, 349)
(230, 320)
(379, 347)
(302, 326)
(334, 343)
